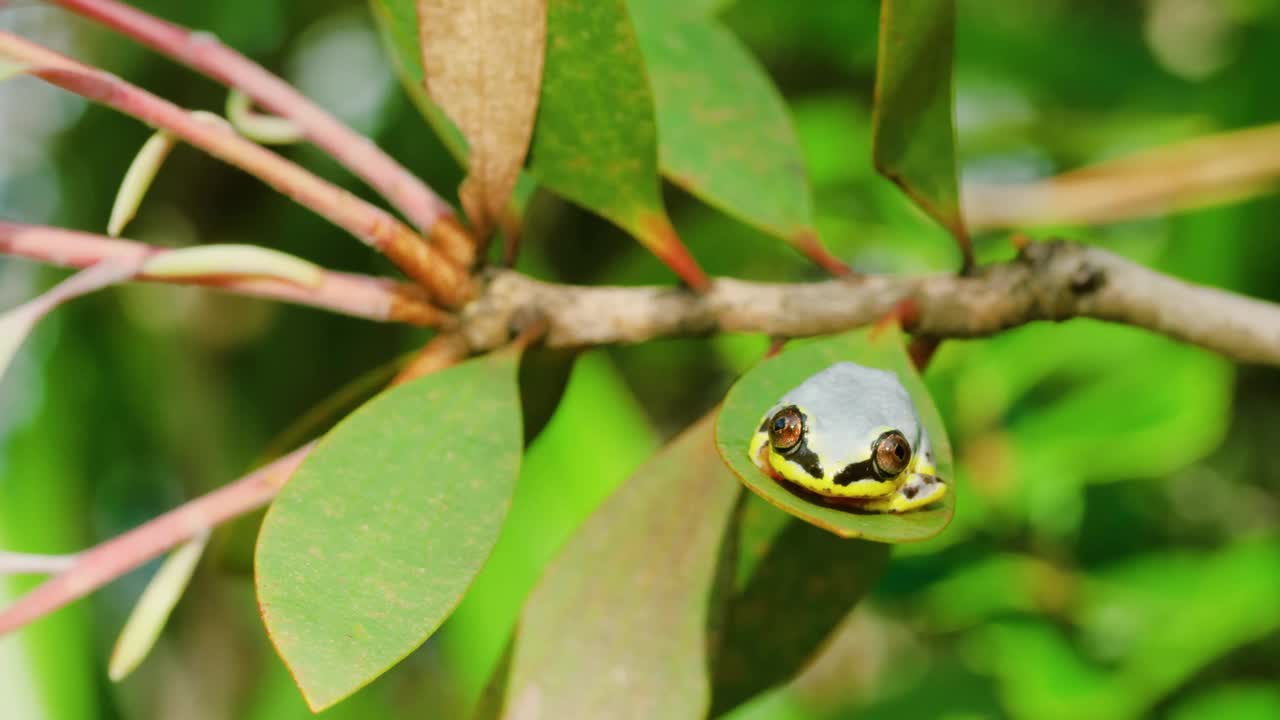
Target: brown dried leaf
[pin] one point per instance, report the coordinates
(483, 67)
(1210, 170)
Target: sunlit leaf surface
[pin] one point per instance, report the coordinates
(724, 132)
(384, 526)
(913, 126)
(617, 626)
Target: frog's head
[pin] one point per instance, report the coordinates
(850, 433)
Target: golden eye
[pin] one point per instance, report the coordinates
(785, 428)
(892, 453)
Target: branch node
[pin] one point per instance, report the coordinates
(1086, 279)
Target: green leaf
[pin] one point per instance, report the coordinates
(617, 627)
(275, 696)
(386, 523)
(755, 392)
(913, 128)
(677, 10)
(1181, 619)
(562, 480)
(964, 599)
(1023, 406)
(724, 132)
(766, 641)
(596, 141)
(397, 21)
(1158, 620)
(1241, 702)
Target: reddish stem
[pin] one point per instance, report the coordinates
(203, 53)
(374, 226)
(361, 296)
(445, 349)
(105, 562)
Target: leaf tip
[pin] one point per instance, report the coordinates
(808, 242)
(258, 127)
(137, 180)
(655, 231)
(154, 606)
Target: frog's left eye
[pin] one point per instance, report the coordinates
(892, 453)
(785, 428)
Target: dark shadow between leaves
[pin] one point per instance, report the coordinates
(802, 587)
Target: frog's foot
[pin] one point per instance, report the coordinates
(918, 490)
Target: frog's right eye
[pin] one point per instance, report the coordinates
(785, 428)
(891, 452)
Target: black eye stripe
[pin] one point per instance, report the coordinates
(805, 458)
(867, 469)
(853, 472)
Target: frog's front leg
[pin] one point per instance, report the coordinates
(916, 491)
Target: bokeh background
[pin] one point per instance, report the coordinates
(1115, 549)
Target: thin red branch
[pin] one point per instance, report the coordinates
(105, 562)
(378, 299)
(376, 227)
(203, 53)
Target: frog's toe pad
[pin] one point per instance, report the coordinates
(917, 491)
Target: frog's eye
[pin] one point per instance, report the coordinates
(892, 453)
(785, 428)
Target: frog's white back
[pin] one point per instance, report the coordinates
(848, 399)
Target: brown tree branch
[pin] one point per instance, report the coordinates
(1054, 280)
(205, 54)
(1208, 170)
(372, 298)
(373, 225)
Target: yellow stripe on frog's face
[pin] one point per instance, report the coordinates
(827, 456)
(846, 410)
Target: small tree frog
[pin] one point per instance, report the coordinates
(851, 435)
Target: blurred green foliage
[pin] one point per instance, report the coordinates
(1114, 551)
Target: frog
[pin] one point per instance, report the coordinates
(849, 436)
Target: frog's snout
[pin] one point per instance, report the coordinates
(921, 488)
